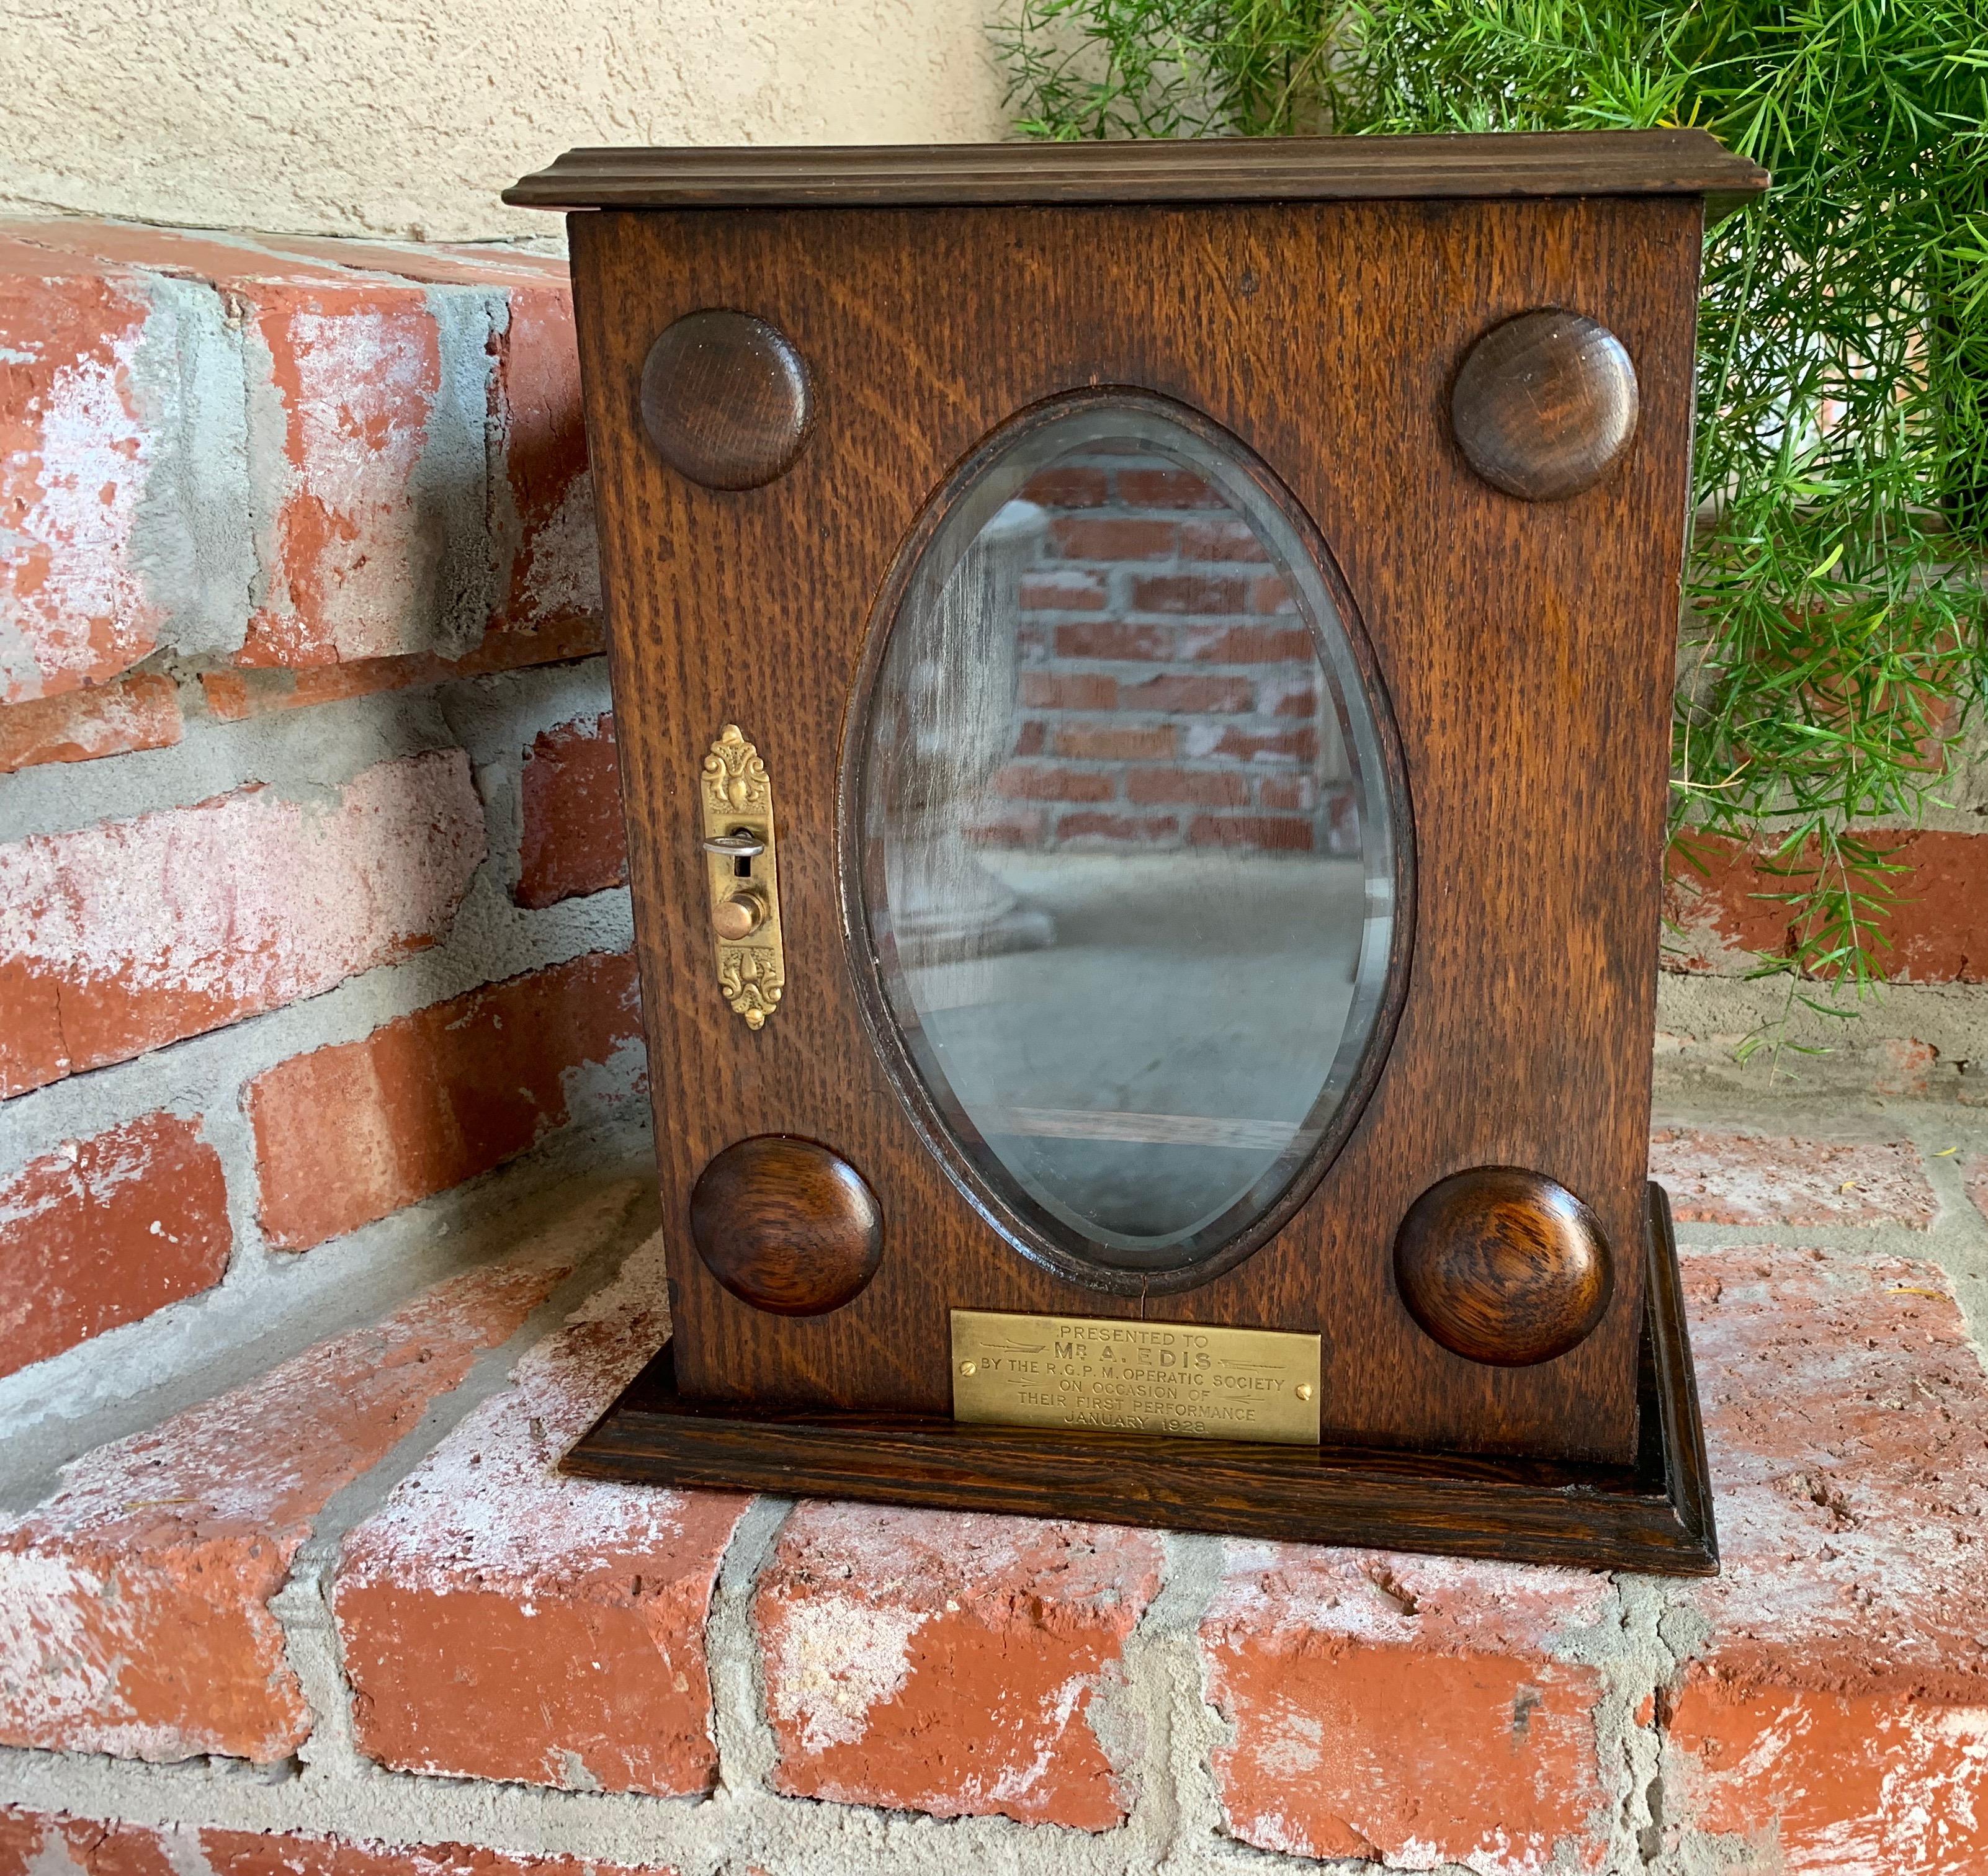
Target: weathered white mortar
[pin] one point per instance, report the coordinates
(1701, 1022)
(320, 118)
(192, 539)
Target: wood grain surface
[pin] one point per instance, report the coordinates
(1526, 650)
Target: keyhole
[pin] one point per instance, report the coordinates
(741, 865)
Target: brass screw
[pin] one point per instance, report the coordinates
(1304, 1390)
(970, 1367)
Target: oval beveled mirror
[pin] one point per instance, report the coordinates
(1126, 865)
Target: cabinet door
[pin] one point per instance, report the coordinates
(1125, 962)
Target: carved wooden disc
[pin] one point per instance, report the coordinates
(1544, 404)
(786, 1226)
(1503, 1265)
(725, 399)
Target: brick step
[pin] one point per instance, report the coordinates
(1824, 1701)
(33, 1844)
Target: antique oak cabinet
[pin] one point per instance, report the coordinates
(1142, 674)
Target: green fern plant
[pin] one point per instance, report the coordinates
(1835, 650)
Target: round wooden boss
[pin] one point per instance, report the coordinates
(725, 399)
(1503, 1265)
(1545, 404)
(786, 1226)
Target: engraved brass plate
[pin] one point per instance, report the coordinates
(1085, 1372)
(736, 796)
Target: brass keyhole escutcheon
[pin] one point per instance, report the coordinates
(736, 800)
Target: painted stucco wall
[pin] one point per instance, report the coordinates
(405, 119)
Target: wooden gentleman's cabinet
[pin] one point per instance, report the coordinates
(1143, 678)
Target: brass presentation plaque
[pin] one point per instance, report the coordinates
(1087, 1371)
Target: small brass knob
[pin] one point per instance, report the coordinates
(740, 916)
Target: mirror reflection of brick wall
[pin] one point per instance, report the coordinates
(1169, 694)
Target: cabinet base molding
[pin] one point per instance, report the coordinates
(1654, 1516)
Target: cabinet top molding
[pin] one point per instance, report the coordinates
(1235, 169)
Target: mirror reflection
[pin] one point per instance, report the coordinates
(1127, 868)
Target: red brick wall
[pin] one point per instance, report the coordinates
(539, 1674)
(308, 836)
(1729, 905)
(1169, 694)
